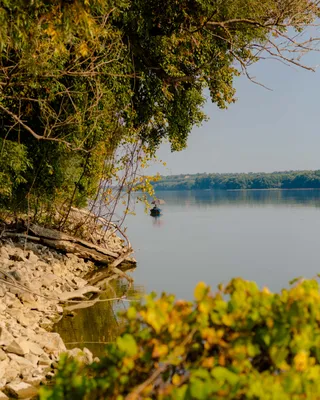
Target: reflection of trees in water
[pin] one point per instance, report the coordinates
(213, 198)
(94, 326)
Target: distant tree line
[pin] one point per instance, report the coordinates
(232, 181)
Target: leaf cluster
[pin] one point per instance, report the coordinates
(238, 343)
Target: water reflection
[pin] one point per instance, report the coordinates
(157, 221)
(95, 326)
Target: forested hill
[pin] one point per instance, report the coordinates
(274, 180)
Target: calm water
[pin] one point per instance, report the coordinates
(266, 236)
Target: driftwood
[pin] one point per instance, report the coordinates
(70, 244)
(79, 294)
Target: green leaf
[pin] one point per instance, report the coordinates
(127, 344)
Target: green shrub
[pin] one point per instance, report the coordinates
(239, 343)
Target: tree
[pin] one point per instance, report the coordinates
(92, 87)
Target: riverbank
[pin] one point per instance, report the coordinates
(36, 282)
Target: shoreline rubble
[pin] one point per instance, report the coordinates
(34, 280)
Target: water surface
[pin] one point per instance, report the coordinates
(267, 236)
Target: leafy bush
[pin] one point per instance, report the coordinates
(238, 343)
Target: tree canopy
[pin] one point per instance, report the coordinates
(236, 181)
(90, 87)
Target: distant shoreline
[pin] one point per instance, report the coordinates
(290, 180)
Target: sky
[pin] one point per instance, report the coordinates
(263, 131)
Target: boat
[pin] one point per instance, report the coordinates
(155, 211)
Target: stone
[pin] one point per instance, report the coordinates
(21, 390)
(5, 336)
(15, 274)
(19, 347)
(79, 282)
(32, 358)
(44, 360)
(3, 396)
(89, 355)
(3, 383)
(3, 367)
(32, 258)
(4, 253)
(52, 342)
(34, 380)
(83, 356)
(48, 279)
(2, 291)
(21, 361)
(3, 355)
(12, 372)
(35, 349)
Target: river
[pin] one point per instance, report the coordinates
(270, 237)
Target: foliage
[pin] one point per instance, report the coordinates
(238, 343)
(88, 87)
(274, 180)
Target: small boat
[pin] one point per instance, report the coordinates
(155, 211)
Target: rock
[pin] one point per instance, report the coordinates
(12, 372)
(32, 257)
(3, 396)
(4, 253)
(48, 279)
(3, 366)
(35, 349)
(83, 356)
(5, 336)
(79, 282)
(21, 361)
(52, 342)
(21, 390)
(3, 355)
(2, 291)
(50, 376)
(32, 358)
(34, 380)
(3, 383)
(19, 347)
(44, 360)
(15, 274)
(89, 355)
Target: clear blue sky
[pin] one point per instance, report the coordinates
(263, 131)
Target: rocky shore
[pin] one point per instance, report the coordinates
(35, 283)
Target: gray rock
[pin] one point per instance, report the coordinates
(21, 390)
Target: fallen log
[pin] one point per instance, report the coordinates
(79, 294)
(80, 247)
